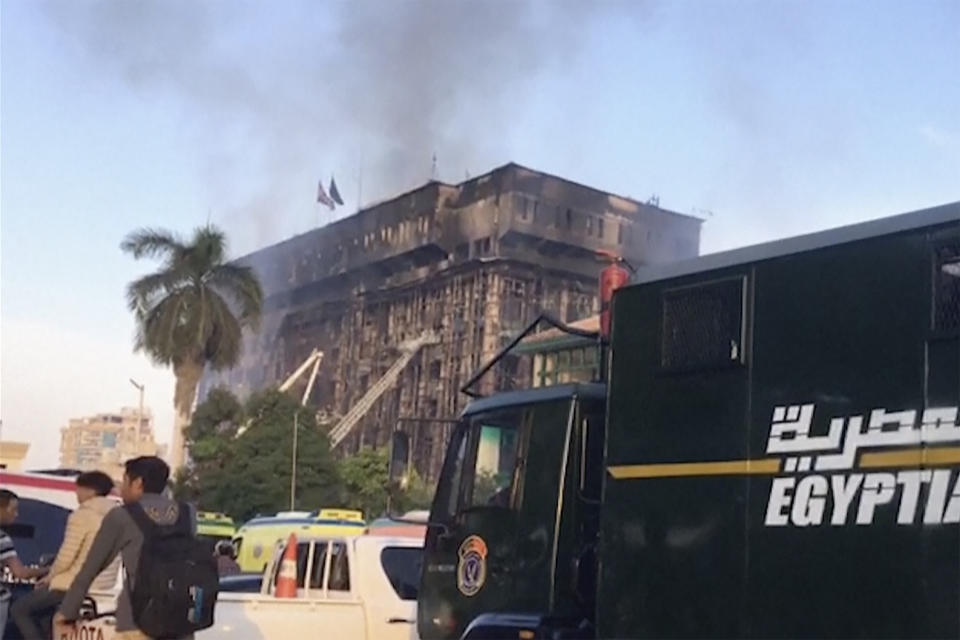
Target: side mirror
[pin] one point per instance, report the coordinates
(399, 459)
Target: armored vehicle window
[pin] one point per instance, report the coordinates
(946, 282)
(703, 325)
(495, 465)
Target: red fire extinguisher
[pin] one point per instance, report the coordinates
(613, 276)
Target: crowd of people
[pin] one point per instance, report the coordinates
(149, 532)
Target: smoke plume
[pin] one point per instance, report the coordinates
(367, 88)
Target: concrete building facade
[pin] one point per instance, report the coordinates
(104, 442)
(472, 262)
(12, 454)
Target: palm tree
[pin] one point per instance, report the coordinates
(191, 313)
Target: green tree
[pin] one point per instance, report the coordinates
(210, 438)
(261, 465)
(365, 477)
(192, 311)
(241, 457)
(417, 494)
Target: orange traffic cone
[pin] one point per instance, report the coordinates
(287, 577)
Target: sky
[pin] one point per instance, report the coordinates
(766, 119)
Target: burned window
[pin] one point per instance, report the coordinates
(702, 325)
(527, 207)
(520, 202)
(946, 283)
(514, 299)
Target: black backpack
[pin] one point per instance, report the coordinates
(175, 589)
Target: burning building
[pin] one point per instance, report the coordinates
(427, 286)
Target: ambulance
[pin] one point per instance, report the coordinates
(215, 526)
(255, 540)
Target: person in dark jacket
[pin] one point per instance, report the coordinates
(226, 562)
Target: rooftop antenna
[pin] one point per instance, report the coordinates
(359, 186)
(433, 167)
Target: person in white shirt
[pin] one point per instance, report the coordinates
(82, 526)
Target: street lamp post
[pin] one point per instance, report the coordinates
(293, 466)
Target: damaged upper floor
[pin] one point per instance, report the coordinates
(511, 213)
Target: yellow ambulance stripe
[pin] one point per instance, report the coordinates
(911, 458)
(767, 466)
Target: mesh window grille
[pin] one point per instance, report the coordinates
(946, 283)
(703, 326)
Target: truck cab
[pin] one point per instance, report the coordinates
(516, 513)
(776, 453)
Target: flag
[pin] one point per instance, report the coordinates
(322, 196)
(334, 193)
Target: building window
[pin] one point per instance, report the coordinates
(620, 233)
(569, 219)
(521, 204)
(600, 227)
(527, 207)
(481, 247)
(589, 225)
(578, 364)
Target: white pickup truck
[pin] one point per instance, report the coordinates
(359, 588)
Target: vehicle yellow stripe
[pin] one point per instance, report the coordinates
(911, 458)
(766, 466)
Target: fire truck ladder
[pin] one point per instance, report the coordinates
(408, 350)
(314, 359)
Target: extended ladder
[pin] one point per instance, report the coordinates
(407, 351)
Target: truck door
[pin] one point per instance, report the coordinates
(498, 499)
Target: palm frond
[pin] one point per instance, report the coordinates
(145, 292)
(161, 329)
(152, 243)
(239, 284)
(211, 243)
(193, 310)
(222, 349)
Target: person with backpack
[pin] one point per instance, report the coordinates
(82, 526)
(170, 581)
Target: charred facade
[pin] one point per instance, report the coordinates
(472, 262)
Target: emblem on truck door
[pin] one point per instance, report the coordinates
(861, 466)
(471, 565)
